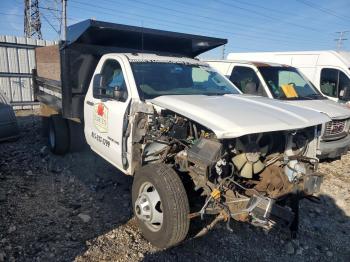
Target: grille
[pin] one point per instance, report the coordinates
(335, 129)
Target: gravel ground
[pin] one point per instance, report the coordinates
(77, 208)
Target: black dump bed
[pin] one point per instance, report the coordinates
(65, 71)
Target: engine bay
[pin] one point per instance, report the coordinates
(255, 178)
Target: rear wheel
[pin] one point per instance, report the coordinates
(76, 136)
(58, 135)
(160, 205)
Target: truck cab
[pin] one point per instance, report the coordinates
(288, 84)
(328, 70)
(146, 104)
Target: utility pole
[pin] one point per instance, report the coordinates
(340, 39)
(32, 23)
(64, 20)
(223, 52)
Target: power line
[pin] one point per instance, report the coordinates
(244, 35)
(50, 24)
(263, 15)
(56, 17)
(55, 10)
(322, 9)
(1, 13)
(219, 20)
(265, 8)
(246, 27)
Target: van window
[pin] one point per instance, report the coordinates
(335, 83)
(344, 86)
(288, 83)
(247, 81)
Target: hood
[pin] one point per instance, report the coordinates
(232, 116)
(333, 109)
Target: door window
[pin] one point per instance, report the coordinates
(335, 83)
(247, 81)
(113, 82)
(344, 86)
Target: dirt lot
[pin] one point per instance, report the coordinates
(77, 207)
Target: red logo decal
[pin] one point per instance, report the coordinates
(100, 109)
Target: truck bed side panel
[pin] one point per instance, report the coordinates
(48, 62)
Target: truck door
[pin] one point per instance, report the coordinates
(105, 111)
(247, 80)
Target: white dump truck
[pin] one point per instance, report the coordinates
(287, 84)
(147, 106)
(328, 70)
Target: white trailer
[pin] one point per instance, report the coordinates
(328, 70)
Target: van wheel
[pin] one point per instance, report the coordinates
(58, 135)
(160, 205)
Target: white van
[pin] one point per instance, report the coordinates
(286, 83)
(329, 71)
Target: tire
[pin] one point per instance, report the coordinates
(58, 135)
(174, 205)
(76, 136)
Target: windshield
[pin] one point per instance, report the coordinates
(288, 84)
(165, 78)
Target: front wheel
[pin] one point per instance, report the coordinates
(160, 205)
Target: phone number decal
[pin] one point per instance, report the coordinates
(100, 139)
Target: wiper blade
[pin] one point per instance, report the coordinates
(217, 94)
(313, 96)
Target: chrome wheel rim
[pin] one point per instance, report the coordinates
(148, 207)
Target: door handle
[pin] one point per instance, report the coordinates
(89, 103)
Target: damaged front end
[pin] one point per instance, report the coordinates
(256, 178)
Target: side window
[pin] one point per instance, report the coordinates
(329, 81)
(204, 78)
(113, 82)
(335, 83)
(344, 86)
(199, 75)
(247, 81)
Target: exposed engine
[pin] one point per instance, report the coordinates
(250, 178)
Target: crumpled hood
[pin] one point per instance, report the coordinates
(333, 109)
(232, 116)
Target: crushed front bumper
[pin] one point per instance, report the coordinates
(264, 209)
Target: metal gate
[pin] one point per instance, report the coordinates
(17, 59)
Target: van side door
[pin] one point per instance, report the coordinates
(106, 110)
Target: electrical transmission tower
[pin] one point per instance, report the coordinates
(32, 23)
(340, 39)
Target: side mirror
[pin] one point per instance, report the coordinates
(97, 85)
